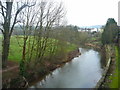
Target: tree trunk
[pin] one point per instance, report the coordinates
(5, 52)
(6, 34)
(24, 48)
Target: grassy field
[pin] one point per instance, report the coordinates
(15, 52)
(114, 78)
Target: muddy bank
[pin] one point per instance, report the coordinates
(53, 66)
(68, 58)
(19, 81)
(93, 46)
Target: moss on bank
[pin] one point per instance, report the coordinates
(112, 76)
(115, 77)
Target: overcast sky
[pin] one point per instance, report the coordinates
(90, 12)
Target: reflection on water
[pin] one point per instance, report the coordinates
(82, 72)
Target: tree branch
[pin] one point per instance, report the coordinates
(2, 30)
(2, 5)
(2, 9)
(20, 9)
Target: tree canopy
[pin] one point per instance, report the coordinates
(110, 31)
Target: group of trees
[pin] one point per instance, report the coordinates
(37, 17)
(110, 32)
(39, 21)
(39, 26)
(67, 33)
(70, 34)
(7, 23)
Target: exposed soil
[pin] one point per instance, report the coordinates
(92, 45)
(10, 66)
(10, 72)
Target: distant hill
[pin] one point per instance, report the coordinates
(94, 26)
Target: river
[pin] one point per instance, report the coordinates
(83, 71)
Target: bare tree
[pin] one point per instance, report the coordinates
(49, 15)
(8, 26)
(36, 23)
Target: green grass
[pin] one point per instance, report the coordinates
(71, 47)
(15, 52)
(114, 77)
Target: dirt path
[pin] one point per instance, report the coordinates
(9, 69)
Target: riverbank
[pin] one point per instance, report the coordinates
(110, 65)
(19, 81)
(52, 67)
(108, 62)
(110, 77)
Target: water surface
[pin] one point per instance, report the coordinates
(82, 72)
